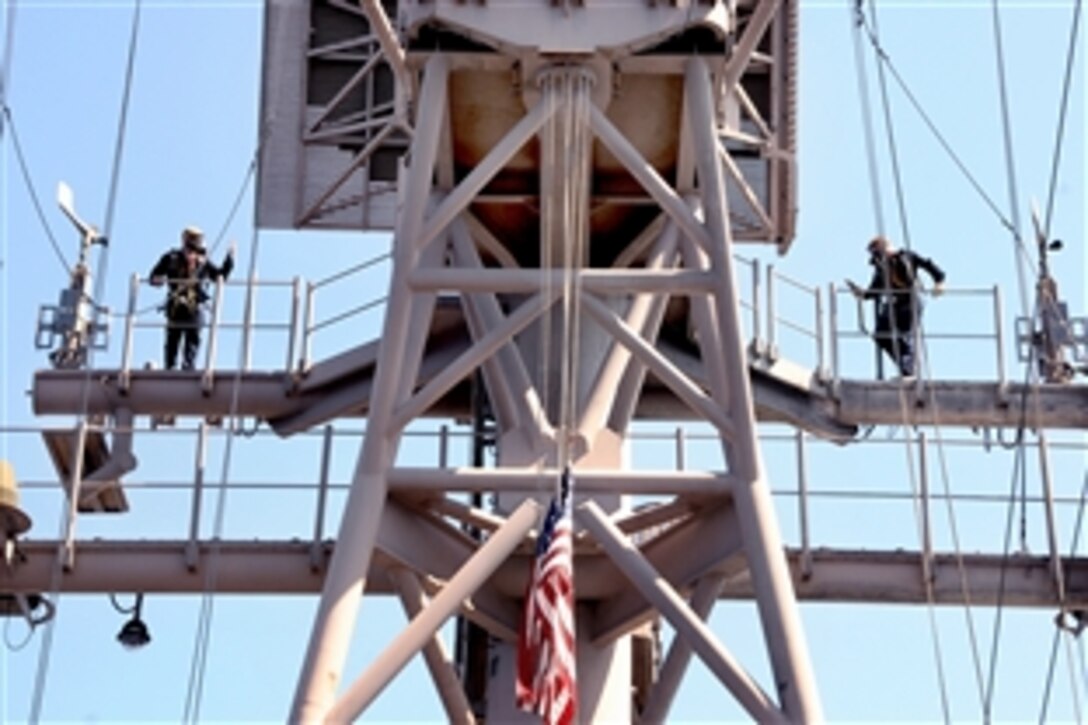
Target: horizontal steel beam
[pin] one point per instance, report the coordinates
(613, 281)
(963, 403)
(283, 567)
(530, 480)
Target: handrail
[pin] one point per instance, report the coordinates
(351, 270)
(135, 319)
(861, 328)
(308, 324)
(815, 333)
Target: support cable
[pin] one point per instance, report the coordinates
(1060, 132)
(575, 147)
(198, 664)
(1019, 466)
(24, 169)
(68, 520)
(202, 643)
(1019, 470)
(1019, 250)
(867, 117)
(860, 22)
(549, 143)
(887, 61)
(118, 153)
(893, 153)
(1047, 219)
(250, 174)
(1074, 544)
(953, 527)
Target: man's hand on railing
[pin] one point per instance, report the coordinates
(938, 289)
(156, 281)
(855, 288)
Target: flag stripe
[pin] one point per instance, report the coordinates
(546, 644)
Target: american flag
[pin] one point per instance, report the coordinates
(546, 683)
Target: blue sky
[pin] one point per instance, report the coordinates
(190, 137)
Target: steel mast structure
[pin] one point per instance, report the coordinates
(565, 184)
(532, 126)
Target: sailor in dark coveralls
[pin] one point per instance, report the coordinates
(185, 272)
(898, 304)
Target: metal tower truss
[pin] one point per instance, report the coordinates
(681, 255)
(565, 183)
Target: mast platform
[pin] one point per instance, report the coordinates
(290, 406)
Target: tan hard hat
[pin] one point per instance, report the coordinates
(193, 236)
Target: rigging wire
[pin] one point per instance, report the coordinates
(1074, 544)
(575, 152)
(1019, 249)
(199, 662)
(250, 174)
(118, 153)
(1019, 466)
(860, 22)
(25, 171)
(201, 645)
(1060, 132)
(886, 60)
(953, 527)
(867, 117)
(884, 57)
(549, 141)
(1019, 470)
(1055, 166)
(11, 646)
(893, 153)
(69, 521)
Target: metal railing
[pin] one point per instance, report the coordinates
(450, 447)
(310, 327)
(775, 280)
(861, 329)
(804, 318)
(137, 318)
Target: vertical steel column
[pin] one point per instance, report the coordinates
(292, 330)
(125, 376)
(772, 315)
(248, 318)
(755, 510)
(207, 380)
(192, 547)
(802, 505)
(307, 329)
(346, 581)
(999, 335)
(927, 528)
(757, 284)
(833, 330)
(322, 498)
(67, 552)
(1051, 526)
(681, 459)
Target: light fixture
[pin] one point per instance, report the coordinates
(133, 634)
